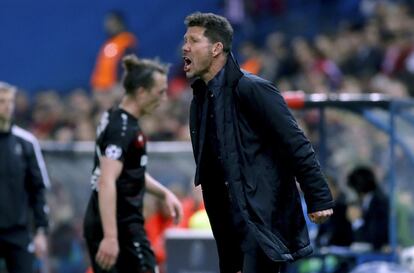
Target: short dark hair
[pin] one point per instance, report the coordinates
(218, 28)
(362, 179)
(139, 72)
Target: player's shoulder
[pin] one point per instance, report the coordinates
(250, 80)
(120, 123)
(23, 135)
(252, 85)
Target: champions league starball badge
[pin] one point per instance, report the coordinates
(113, 152)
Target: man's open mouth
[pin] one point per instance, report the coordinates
(187, 63)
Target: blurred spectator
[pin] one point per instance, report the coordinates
(68, 249)
(84, 131)
(370, 216)
(192, 204)
(106, 76)
(155, 226)
(120, 42)
(276, 60)
(235, 11)
(199, 220)
(22, 110)
(47, 114)
(259, 8)
(251, 55)
(337, 230)
(158, 221)
(61, 204)
(405, 218)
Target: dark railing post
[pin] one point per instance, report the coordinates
(322, 137)
(392, 182)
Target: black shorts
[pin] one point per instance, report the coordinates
(135, 253)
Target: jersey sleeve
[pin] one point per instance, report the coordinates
(115, 141)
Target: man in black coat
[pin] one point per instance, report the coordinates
(23, 182)
(249, 153)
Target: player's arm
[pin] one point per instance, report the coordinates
(171, 201)
(108, 248)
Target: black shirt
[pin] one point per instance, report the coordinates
(215, 105)
(119, 137)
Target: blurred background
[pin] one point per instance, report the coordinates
(352, 60)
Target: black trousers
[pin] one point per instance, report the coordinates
(18, 259)
(227, 226)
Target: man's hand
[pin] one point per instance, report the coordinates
(40, 244)
(107, 253)
(319, 217)
(174, 206)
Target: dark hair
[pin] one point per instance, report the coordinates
(362, 180)
(218, 28)
(139, 72)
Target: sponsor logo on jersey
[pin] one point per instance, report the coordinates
(140, 141)
(144, 160)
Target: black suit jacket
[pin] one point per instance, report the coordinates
(376, 217)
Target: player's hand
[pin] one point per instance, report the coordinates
(174, 207)
(40, 244)
(319, 217)
(107, 253)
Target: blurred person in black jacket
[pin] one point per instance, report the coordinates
(337, 230)
(370, 215)
(23, 180)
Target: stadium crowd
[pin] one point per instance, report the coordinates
(376, 55)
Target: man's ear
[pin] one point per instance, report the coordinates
(139, 91)
(217, 49)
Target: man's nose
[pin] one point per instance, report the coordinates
(185, 47)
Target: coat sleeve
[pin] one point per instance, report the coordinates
(264, 104)
(37, 181)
